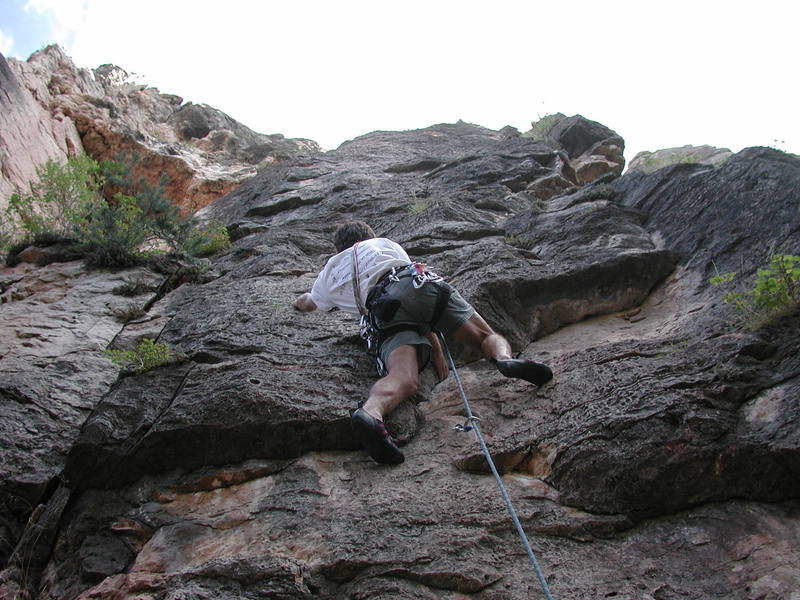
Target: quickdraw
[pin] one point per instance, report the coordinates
(421, 274)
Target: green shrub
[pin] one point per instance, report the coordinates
(208, 239)
(419, 206)
(149, 354)
(59, 202)
(138, 221)
(9, 235)
(778, 286)
(540, 130)
(116, 233)
(56, 207)
(776, 291)
(65, 203)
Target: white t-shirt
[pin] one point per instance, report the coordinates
(334, 284)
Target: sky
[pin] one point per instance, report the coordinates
(660, 74)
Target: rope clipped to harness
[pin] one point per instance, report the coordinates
(472, 424)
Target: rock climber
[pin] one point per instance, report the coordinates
(402, 306)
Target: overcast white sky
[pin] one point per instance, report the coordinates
(661, 74)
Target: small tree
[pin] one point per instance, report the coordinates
(776, 291)
(115, 234)
(65, 204)
(208, 239)
(8, 232)
(58, 203)
(138, 216)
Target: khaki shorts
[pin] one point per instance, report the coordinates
(416, 308)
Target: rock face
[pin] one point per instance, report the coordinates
(663, 460)
(30, 135)
(594, 149)
(203, 152)
(56, 322)
(702, 155)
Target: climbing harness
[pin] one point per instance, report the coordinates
(472, 425)
(381, 308)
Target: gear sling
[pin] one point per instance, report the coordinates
(381, 307)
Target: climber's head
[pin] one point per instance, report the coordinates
(349, 233)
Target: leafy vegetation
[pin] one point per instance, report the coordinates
(208, 239)
(149, 354)
(419, 206)
(66, 204)
(541, 128)
(776, 291)
(59, 202)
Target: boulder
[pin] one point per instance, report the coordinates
(545, 188)
(578, 135)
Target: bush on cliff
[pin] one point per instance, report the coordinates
(66, 204)
(149, 354)
(776, 291)
(208, 239)
(59, 202)
(138, 220)
(55, 208)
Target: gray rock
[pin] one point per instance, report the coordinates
(668, 430)
(649, 162)
(594, 150)
(578, 135)
(56, 322)
(32, 135)
(729, 218)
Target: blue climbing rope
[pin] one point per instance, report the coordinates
(472, 423)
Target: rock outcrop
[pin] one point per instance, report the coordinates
(702, 155)
(663, 460)
(30, 134)
(203, 152)
(594, 150)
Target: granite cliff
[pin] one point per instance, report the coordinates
(49, 108)
(663, 460)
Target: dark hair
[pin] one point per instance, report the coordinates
(348, 234)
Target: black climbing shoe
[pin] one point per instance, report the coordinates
(524, 368)
(372, 433)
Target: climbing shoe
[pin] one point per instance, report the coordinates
(372, 433)
(524, 368)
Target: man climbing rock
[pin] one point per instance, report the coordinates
(402, 305)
